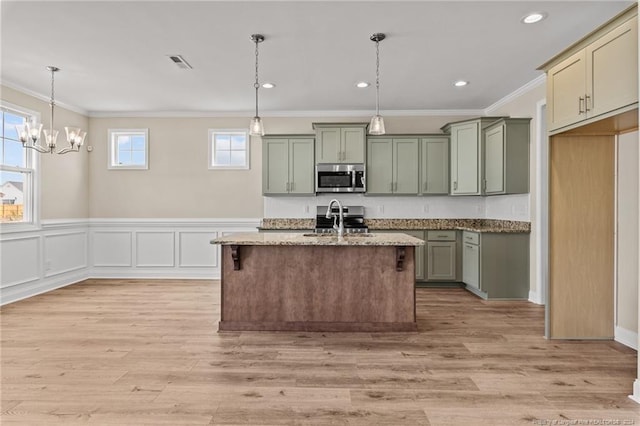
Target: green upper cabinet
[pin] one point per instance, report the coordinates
(288, 165)
(499, 165)
(434, 165)
(340, 143)
(506, 157)
(392, 165)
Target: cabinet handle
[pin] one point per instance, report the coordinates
(455, 185)
(469, 246)
(442, 236)
(484, 185)
(580, 105)
(587, 103)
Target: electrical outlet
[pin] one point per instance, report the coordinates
(380, 209)
(425, 208)
(306, 208)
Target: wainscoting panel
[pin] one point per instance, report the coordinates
(196, 251)
(21, 260)
(155, 249)
(112, 248)
(65, 252)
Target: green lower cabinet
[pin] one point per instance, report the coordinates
(442, 254)
(496, 265)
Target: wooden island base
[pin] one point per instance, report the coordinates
(318, 288)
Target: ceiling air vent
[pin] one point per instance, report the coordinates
(180, 62)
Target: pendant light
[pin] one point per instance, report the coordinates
(376, 127)
(29, 133)
(255, 127)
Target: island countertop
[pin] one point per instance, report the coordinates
(297, 239)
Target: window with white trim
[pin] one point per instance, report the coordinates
(17, 169)
(129, 149)
(229, 149)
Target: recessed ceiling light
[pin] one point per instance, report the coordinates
(460, 83)
(268, 85)
(533, 17)
(362, 84)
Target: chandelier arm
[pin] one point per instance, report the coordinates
(38, 148)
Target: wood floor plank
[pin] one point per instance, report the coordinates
(147, 352)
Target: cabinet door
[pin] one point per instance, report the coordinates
(405, 166)
(379, 166)
(441, 261)
(566, 89)
(353, 141)
(328, 145)
(419, 254)
(471, 265)
(465, 156)
(434, 163)
(301, 166)
(612, 70)
(275, 166)
(494, 165)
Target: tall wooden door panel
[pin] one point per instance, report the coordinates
(581, 237)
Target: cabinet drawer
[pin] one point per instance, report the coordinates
(441, 235)
(471, 237)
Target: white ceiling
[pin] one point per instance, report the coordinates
(113, 55)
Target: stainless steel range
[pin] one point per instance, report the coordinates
(353, 219)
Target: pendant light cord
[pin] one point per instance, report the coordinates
(256, 84)
(377, 77)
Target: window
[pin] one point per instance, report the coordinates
(228, 149)
(17, 169)
(129, 149)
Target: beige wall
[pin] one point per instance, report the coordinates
(628, 214)
(64, 179)
(525, 106)
(179, 184)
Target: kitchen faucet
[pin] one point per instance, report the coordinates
(340, 227)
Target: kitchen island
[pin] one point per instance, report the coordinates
(318, 282)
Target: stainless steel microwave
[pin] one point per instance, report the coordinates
(335, 177)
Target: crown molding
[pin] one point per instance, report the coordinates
(44, 98)
(242, 114)
(538, 81)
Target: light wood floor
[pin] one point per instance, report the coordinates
(147, 352)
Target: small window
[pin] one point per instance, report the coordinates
(129, 149)
(228, 149)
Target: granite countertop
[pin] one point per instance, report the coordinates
(297, 239)
(475, 225)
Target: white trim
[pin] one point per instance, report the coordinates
(534, 297)
(538, 81)
(636, 391)
(542, 205)
(626, 337)
(45, 98)
(211, 150)
(324, 113)
(111, 141)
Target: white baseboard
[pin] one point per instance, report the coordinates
(636, 391)
(179, 274)
(626, 337)
(24, 291)
(534, 297)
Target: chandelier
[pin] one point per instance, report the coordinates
(29, 133)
